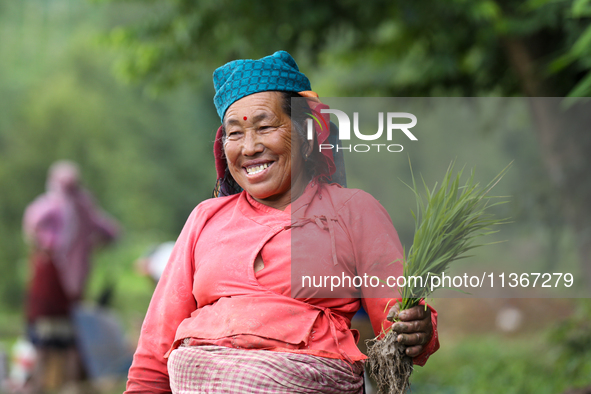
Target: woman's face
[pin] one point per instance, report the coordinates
(259, 149)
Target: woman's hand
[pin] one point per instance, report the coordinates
(414, 327)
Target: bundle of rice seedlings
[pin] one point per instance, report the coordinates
(448, 220)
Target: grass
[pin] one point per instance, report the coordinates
(496, 364)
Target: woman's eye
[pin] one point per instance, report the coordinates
(234, 134)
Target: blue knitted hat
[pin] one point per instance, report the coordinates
(240, 78)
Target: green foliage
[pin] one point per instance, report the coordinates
(147, 161)
(392, 47)
(571, 339)
(487, 364)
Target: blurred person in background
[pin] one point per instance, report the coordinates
(222, 318)
(62, 227)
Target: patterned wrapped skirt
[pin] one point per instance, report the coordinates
(218, 369)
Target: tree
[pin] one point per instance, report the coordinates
(141, 157)
(534, 48)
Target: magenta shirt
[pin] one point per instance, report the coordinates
(68, 227)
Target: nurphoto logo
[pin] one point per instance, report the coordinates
(344, 126)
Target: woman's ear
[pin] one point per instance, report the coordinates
(309, 148)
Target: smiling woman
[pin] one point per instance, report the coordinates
(223, 318)
(259, 150)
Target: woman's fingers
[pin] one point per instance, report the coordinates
(415, 319)
(411, 326)
(414, 351)
(414, 328)
(393, 313)
(414, 339)
(415, 313)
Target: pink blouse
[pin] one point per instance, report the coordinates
(209, 293)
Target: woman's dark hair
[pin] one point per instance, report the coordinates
(299, 116)
(312, 160)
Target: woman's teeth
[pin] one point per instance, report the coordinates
(256, 169)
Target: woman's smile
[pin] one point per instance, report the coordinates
(253, 169)
(258, 148)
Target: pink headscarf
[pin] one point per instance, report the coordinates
(65, 223)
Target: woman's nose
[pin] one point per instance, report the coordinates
(252, 144)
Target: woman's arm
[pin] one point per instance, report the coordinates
(42, 225)
(172, 302)
(378, 252)
(105, 228)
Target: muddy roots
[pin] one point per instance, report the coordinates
(389, 366)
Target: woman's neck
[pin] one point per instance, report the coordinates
(297, 189)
